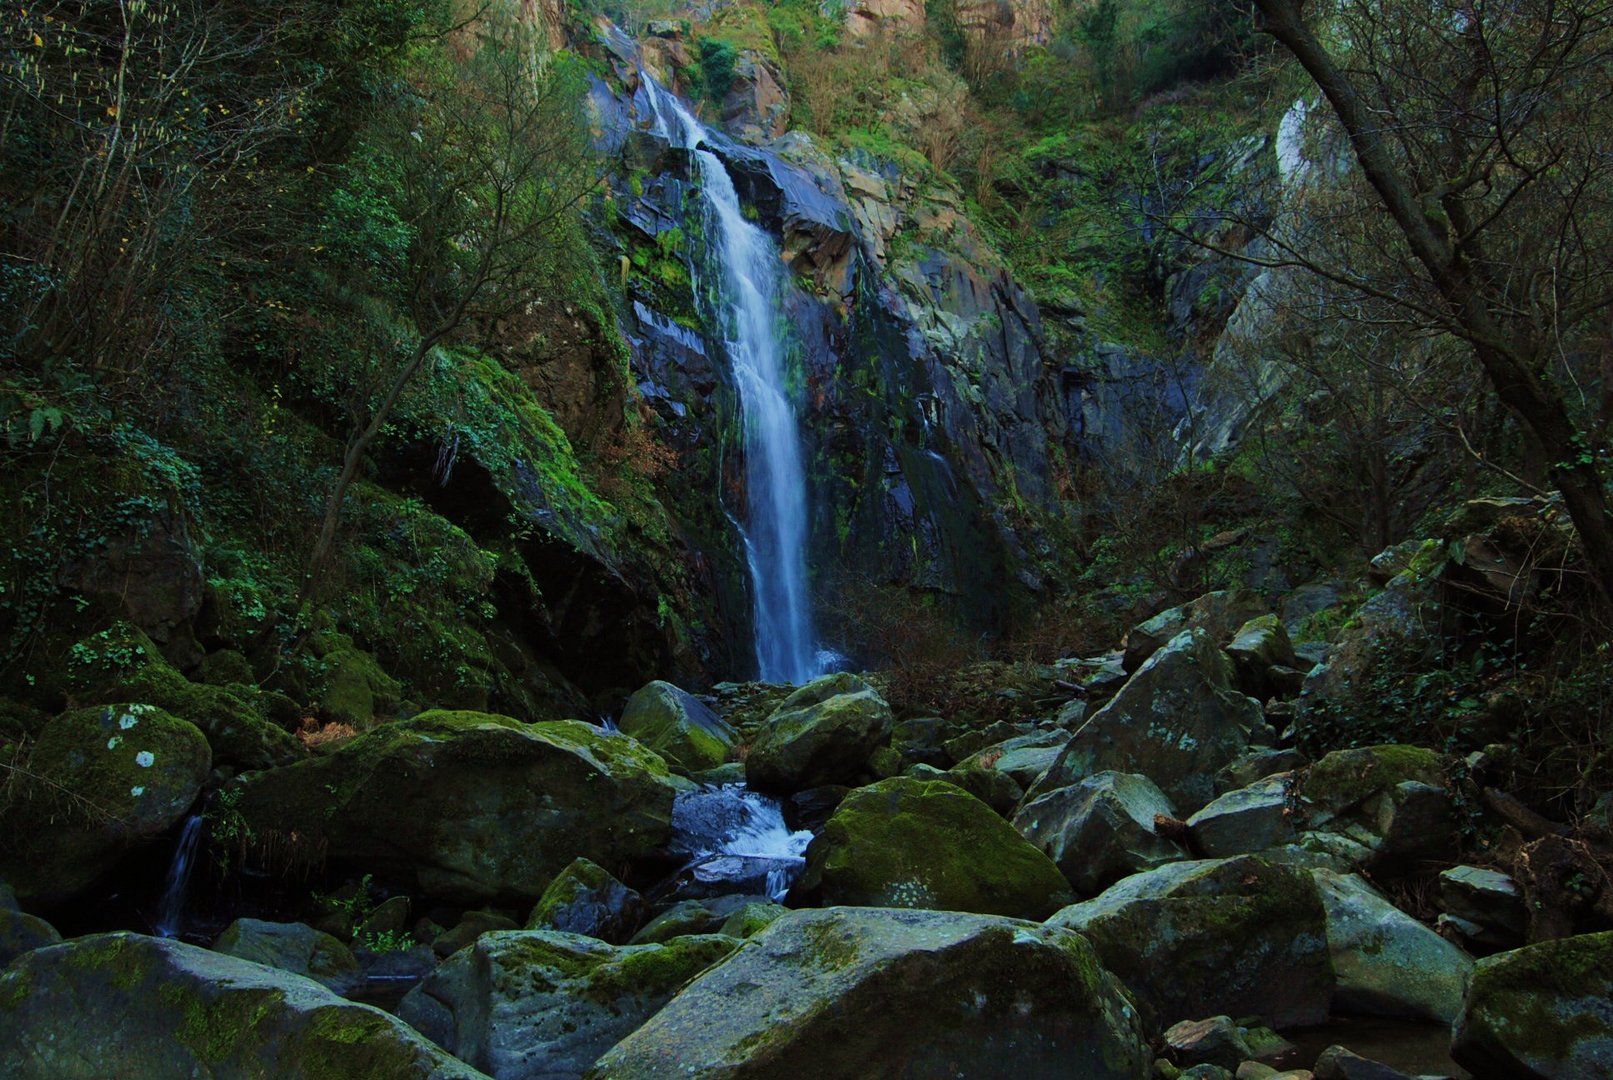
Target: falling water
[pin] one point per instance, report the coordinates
(731, 834)
(749, 286)
(171, 912)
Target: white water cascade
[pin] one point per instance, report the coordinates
(748, 288)
(176, 888)
(738, 837)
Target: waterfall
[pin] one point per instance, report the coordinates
(748, 287)
(175, 891)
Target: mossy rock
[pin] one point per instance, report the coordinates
(1345, 779)
(352, 688)
(540, 1003)
(293, 947)
(123, 665)
(823, 733)
(470, 807)
(21, 932)
(585, 898)
(678, 726)
(98, 783)
(1543, 1012)
(847, 993)
(99, 1006)
(1239, 936)
(926, 844)
(686, 917)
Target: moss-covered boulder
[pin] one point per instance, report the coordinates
(678, 726)
(585, 898)
(1241, 937)
(293, 947)
(823, 733)
(1260, 646)
(1392, 800)
(703, 916)
(98, 783)
(1101, 830)
(121, 664)
(1543, 1012)
(927, 844)
(1178, 721)
(529, 1004)
(859, 992)
(470, 807)
(351, 689)
(125, 1005)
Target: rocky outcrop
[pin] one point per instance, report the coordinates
(120, 1004)
(856, 992)
(926, 844)
(469, 807)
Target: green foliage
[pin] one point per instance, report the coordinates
(716, 58)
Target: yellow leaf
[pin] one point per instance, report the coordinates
(112, 110)
(39, 42)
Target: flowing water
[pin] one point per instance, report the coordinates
(736, 840)
(176, 888)
(748, 287)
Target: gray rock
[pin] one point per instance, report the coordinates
(1487, 901)
(1385, 962)
(1245, 821)
(678, 726)
(1239, 936)
(1543, 1012)
(1257, 647)
(1337, 1063)
(294, 947)
(1177, 721)
(585, 899)
(1389, 800)
(857, 992)
(1257, 765)
(471, 925)
(1022, 759)
(823, 733)
(124, 1004)
(1218, 613)
(1214, 1041)
(1100, 830)
(543, 1005)
(693, 917)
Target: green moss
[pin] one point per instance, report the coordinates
(655, 970)
(15, 986)
(1346, 777)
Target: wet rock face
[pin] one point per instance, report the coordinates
(857, 992)
(1540, 1012)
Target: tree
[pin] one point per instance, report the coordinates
(459, 207)
(1482, 128)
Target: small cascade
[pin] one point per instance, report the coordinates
(176, 888)
(736, 840)
(748, 283)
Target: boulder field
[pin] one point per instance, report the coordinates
(1147, 881)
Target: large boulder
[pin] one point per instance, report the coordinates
(927, 844)
(1391, 800)
(1543, 1012)
(821, 734)
(470, 807)
(1178, 721)
(543, 1005)
(1101, 830)
(1220, 614)
(1236, 936)
(125, 1005)
(859, 992)
(585, 898)
(1386, 963)
(98, 783)
(21, 932)
(1246, 821)
(293, 947)
(678, 726)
